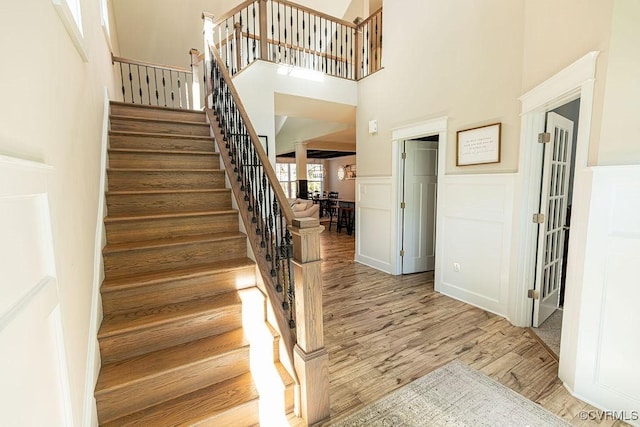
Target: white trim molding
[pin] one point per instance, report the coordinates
(474, 231)
(90, 415)
(575, 81)
(374, 216)
(606, 371)
(72, 20)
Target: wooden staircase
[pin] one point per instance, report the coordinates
(173, 344)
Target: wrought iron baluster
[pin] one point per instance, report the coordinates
(352, 68)
(298, 35)
(146, 70)
(291, 52)
(179, 90)
(139, 84)
(279, 42)
(255, 36)
(326, 54)
(171, 88)
(164, 88)
(376, 50)
(155, 76)
(124, 98)
(133, 101)
(286, 54)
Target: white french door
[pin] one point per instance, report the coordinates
(554, 200)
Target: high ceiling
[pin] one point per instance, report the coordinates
(163, 31)
(322, 125)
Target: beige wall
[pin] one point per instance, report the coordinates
(51, 111)
(163, 31)
(464, 62)
(347, 188)
(559, 33)
(618, 143)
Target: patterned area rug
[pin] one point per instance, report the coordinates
(453, 395)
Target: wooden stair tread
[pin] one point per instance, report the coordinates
(145, 279)
(186, 214)
(121, 374)
(148, 244)
(158, 135)
(196, 407)
(128, 322)
(156, 120)
(168, 191)
(152, 151)
(164, 170)
(156, 107)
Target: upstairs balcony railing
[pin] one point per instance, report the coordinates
(287, 33)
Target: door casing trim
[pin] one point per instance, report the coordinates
(437, 126)
(575, 81)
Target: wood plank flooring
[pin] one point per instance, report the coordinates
(385, 331)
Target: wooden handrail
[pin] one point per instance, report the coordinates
(262, 155)
(286, 46)
(232, 12)
(317, 13)
(150, 64)
(373, 15)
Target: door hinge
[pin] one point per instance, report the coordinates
(533, 294)
(538, 218)
(402, 205)
(544, 137)
(402, 252)
(404, 156)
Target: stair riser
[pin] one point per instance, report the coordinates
(175, 128)
(176, 291)
(142, 180)
(124, 263)
(161, 228)
(125, 204)
(157, 113)
(163, 161)
(122, 346)
(151, 391)
(160, 143)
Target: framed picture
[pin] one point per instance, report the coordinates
(479, 145)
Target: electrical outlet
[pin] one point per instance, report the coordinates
(456, 267)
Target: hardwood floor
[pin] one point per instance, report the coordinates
(385, 331)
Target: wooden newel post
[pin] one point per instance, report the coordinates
(262, 15)
(310, 358)
(357, 47)
(196, 81)
(237, 30)
(207, 33)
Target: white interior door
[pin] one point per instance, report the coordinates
(553, 204)
(419, 213)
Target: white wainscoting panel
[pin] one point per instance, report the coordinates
(473, 239)
(33, 369)
(608, 346)
(374, 218)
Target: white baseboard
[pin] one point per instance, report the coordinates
(90, 416)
